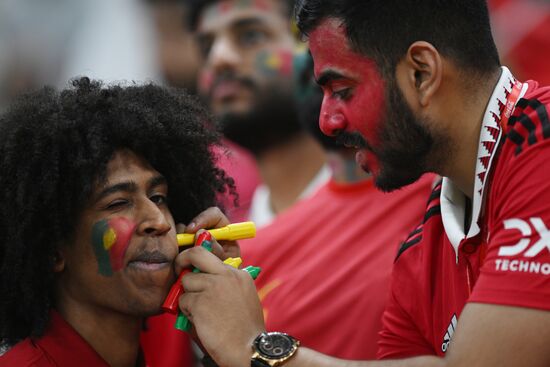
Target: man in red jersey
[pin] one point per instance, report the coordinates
(418, 84)
(300, 269)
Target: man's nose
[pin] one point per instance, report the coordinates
(153, 220)
(331, 121)
(223, 54)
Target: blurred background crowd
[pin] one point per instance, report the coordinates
(51, 41)
(48, 42)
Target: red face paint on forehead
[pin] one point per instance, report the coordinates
(354, 90)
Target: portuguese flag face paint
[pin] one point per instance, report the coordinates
(274, 63)
(110, 239)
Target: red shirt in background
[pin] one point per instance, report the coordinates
(522, 33)
(326, 264)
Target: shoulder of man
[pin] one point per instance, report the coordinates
(24, 354)
(433, 210)
(529, 123)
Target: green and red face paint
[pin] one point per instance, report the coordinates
(275, 63)
(110, 240)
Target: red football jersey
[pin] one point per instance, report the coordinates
(503, 256)
(326, 264)
(61, 345)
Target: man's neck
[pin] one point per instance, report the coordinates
(288, 168)
(466, 128)
(114, 336)
(344, 168)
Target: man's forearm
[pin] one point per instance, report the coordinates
(309, 358)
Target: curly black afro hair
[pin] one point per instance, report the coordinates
(56, 145)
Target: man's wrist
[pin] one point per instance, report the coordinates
(272, 349)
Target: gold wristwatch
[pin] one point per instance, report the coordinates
(273, 349)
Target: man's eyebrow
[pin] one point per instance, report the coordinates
(247, 22)
(128, 186)
(328, 76)
(157, 181)
(204, 36)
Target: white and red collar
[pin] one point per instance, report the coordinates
(453, 201)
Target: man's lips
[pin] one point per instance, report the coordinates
(150, 260)
(226, 90)
(352, 140)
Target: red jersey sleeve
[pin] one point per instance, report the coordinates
(516, 270)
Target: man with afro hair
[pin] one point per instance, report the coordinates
(93, 180)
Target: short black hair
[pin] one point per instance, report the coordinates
(56, 145)
(195, 8)
(384, 29)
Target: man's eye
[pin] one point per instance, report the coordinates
(343, 93)
(251, 37)
(159, 199)
(116, 204)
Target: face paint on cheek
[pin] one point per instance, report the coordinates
(275, 63)
(110, 240)
(366, 111)
(206, 80)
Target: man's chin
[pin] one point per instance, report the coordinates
(150, 308)
(387, 182)
(232, 109)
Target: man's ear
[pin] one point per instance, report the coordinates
(421, 72)
(58, 261)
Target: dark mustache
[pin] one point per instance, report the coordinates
(151, 257)
(230, 77)
(352, 139)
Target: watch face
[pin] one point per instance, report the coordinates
(275, 345)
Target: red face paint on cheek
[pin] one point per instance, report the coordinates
(206, 80)
(124, 229)
(363, 108)
(110, 240)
